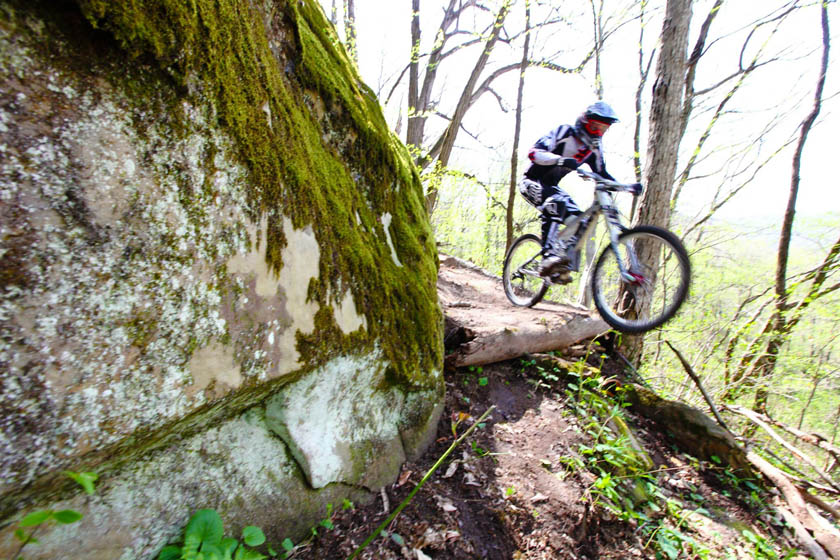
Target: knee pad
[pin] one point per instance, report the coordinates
(531, 191)
(559, 206)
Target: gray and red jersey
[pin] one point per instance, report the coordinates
(562, 142)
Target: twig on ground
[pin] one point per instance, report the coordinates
(690, 371)
(386, 506)
(425, 478)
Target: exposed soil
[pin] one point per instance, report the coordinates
(505, 493)
(516, 488)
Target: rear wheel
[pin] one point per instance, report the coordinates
(522, 281)
(659, 274)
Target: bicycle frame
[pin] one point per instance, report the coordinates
(605, 205)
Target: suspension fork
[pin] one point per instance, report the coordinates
(615, 228)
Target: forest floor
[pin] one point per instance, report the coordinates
(517, 488)
(547, 475)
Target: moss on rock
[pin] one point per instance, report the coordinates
(212, 46)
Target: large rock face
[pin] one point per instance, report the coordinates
(217, 278)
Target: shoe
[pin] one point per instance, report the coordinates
(553, 264)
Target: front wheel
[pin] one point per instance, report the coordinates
(523, 284)
(653, 285)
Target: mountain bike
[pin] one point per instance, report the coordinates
(639, 280)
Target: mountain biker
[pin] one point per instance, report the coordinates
(553, 156)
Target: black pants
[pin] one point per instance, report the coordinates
(555, 204)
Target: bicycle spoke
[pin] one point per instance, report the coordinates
(657, 261)
(522, 282)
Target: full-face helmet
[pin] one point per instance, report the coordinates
(594, 121)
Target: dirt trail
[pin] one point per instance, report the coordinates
(508, 492)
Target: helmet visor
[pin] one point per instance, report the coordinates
(596, 128)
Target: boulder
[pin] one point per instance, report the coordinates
(217, 276)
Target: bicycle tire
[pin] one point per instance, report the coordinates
(665, 287)
(524, 287)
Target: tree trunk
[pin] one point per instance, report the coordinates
(466, 98)
(350, 30)
(766, 364)
(664, 135)
(644, 71)
(514, 157)
(418, 104)
(414, 130)
(598, 36)
(590, 249)
(334, 14)
(666, 116)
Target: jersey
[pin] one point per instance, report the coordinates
(563, 142)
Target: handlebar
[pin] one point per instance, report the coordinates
(605, 184)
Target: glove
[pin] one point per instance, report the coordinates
(636, 189)
(569, 163)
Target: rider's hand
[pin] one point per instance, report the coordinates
(636, 189)
(570, 163)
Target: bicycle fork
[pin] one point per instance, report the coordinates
(615, 229)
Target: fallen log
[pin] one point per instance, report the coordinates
(823, 533)
(691, 427)
(802, 534)
(828, 508)
(483, 327)
(759, 421)
(811, 438)
(696, 431)
(514, 341)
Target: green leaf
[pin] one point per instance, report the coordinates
(228, 546)
(327, 523)
(253, 536)
(482, 381)
(667, 546)
(243, 553)
(21, 535)
(36, 518)
(67, 516)
(191, 545)
(211, 551)
(169, 553)
(85, 479)
(288, 545)
(397, 539)
(206, 526)
(750, 536)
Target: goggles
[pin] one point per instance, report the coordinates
(595, 128)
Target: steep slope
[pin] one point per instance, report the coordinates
(554, 472)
